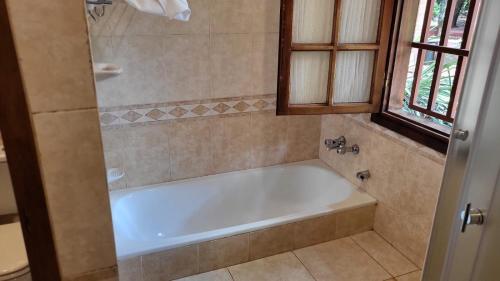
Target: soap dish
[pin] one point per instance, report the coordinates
(115, 174)
(105, 70)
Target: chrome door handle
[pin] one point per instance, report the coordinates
(471, 216)
(460, 134)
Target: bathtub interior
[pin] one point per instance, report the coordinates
(180, 213)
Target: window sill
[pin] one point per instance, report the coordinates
(435, 140)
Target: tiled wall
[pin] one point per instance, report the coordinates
(195, 98)
(53, 49)
(405, 179)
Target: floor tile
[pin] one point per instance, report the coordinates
(283, 267)
(216, 275)
(414, 276)
(390, 259)
(341, 260)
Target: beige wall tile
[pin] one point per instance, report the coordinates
(199, 23)
(216, 275)
(190, 154)
(420, 192)
(143, 79)
(266, 16)
(314, 231)
(145, 152)
(388, 257)
(74, 177)
(271, 241)
(231, 64)
(231, 143)
(130, 269)
(303, 133)
(280, 267)
(355, 221)
(341, 260)
(269, 146)
(265, 48)
(59, 65)
(186, 67)
(170, 264)
(405, 179)
(231, 16)
(223, 252)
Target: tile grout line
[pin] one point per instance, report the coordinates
(376, 261)
(307, 269)
(408, 273)
(230, 274)
(397, 250)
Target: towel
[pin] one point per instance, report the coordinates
(172, 9)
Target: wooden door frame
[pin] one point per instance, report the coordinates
(23, 161)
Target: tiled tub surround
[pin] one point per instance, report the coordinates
(192, 147)
(405, 179)
(236, 217)
(180, 213)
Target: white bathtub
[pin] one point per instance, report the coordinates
(169, 215)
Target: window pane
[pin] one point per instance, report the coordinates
(458, 21)
(359, 21)
(312, 21)
(353, 76)
(437, 21)
(425, 79)
(309, 77)
(420, 20)
(443, 94)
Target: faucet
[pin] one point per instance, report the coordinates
(344, 149)
(335, 143)
(339, 144)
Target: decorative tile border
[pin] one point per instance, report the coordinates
(153, 113)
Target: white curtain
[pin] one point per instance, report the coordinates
(309, 77)
(359, 21)
(353, 76)
(312, 21)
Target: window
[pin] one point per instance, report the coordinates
(333, 55)
(430, 46)
(404, 61)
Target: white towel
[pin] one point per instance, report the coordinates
(172, 9)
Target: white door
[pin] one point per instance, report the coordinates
(460, 251)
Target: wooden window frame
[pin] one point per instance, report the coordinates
(380, 47)
(409, 127)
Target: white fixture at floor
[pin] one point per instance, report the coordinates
(13, 258)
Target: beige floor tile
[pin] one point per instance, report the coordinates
(283, 267)
(216, 275)
(341, 260)
(392, 260)
(414, 276)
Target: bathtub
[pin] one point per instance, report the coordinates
(169, 215)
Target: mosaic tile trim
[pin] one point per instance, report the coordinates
(152, 113)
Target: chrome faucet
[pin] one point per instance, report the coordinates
(335, 143)
(344, 149)
(339, 144)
